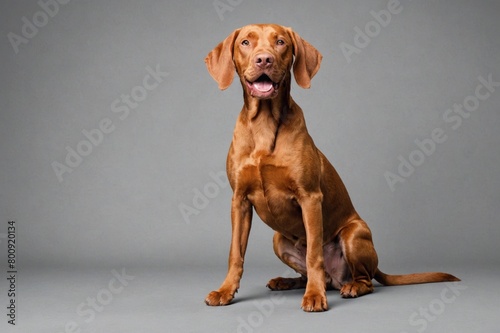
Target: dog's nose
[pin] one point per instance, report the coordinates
(264, 60)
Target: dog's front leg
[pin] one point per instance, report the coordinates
(241, 220)
(315, 294)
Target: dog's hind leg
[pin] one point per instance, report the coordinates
(361, 258)
(295, 257)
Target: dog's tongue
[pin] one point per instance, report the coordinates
(263, 86)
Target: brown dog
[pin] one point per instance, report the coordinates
(274, 167)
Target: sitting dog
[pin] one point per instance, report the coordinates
(274, 167)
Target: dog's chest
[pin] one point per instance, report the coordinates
(263, 167)
(270, 189)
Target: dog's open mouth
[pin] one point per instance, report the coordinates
(263, 87)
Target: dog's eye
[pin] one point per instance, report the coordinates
(245, 42)
(280, 42)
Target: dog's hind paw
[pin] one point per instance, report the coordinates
(280, 283)
(355, 289)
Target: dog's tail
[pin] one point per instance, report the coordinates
(415, 278)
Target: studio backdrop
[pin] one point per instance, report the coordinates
(113, 136)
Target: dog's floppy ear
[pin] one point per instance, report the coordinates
(307, 60)
(220, 62)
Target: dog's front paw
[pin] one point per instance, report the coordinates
(219, 297)
(314, 302)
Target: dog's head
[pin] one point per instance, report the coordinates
(262, 55)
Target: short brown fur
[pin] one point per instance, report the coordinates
(274, 167)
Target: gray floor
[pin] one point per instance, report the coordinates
(171, 300)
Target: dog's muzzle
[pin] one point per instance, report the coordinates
(263, 87)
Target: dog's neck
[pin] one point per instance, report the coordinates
(265, 116)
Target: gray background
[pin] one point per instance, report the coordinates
(121, 207)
